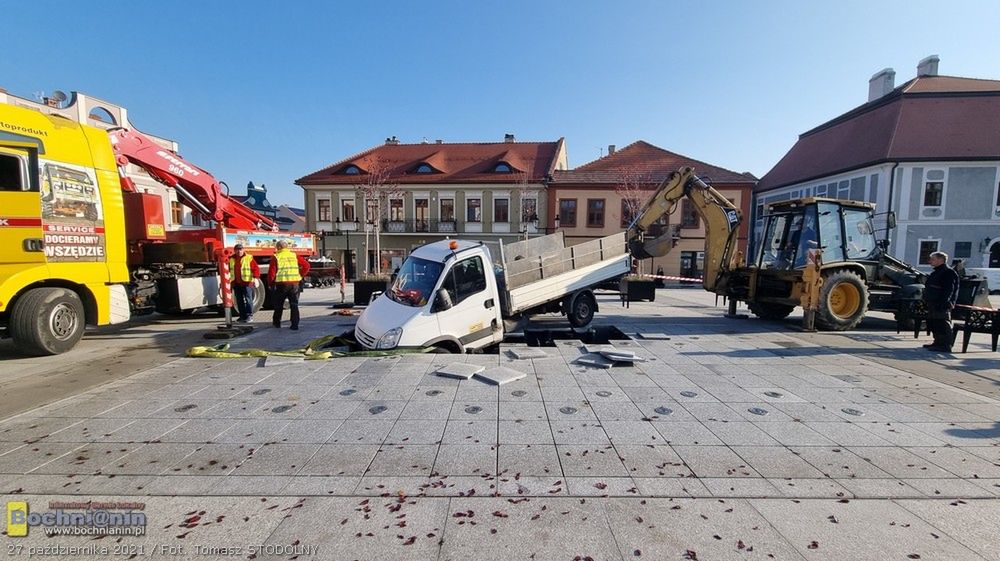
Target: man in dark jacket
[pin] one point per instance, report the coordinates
(940, 294)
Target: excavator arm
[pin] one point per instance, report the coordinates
(721, 218)
(196, 188)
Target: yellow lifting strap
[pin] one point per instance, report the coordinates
(309, 352)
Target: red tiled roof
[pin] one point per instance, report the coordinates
(927, 118)
(645, 161)
(455, 162)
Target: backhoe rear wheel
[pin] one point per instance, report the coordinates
(843, 301)
(770, 311)
(47, 321)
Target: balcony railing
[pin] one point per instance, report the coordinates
(417, 226)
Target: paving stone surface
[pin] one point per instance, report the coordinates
(371, 457)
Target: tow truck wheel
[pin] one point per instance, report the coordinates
(769, 311)
(47, 321)
(259, 295)
(843, 301)
(581, 310)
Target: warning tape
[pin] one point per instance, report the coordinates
(667, 277)
(312, 350)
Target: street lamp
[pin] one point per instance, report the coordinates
(345, 227)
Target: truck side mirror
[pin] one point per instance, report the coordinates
(890, 220)
(442, 301)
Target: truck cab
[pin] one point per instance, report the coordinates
(445, 295)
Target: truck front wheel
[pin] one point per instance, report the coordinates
(47, 321)
(843, 301)
(581, 309)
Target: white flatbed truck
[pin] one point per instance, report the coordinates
(452, 295)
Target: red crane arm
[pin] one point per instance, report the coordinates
(196, 188)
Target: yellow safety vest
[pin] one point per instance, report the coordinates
(245, 274)
(288, 267)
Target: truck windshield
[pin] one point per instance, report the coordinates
(415, 282)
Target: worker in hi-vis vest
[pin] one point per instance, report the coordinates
(244, 270)
(284, 275)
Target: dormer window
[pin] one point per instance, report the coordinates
(502, 167)
(424, 168)
(352, 170)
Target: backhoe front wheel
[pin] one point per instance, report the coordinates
(47, 321)
(843, 301)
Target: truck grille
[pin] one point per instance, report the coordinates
(364, 338)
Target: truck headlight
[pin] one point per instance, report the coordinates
(390, 339)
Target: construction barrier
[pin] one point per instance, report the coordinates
(312, 350)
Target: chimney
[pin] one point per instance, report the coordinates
(392, 141)
(439, 141)
(881, 83)
(928, 66)
(611, 149)
(51, 102)
(508, 138)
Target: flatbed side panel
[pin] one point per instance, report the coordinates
(547, 257)
(556, 287)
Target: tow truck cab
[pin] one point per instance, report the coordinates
(445, 295)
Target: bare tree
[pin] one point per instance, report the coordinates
(634, 188)
(376, 189)
(521, 187)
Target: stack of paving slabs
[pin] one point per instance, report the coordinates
(460, 370)
(523, 353)
(610, 352)
(497, 375)
(500, 375)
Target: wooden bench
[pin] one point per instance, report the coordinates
(973, 319)
(978, 320)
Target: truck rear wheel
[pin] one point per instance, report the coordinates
(770, 311)
(843, 301)
(581, 309)
(47, 321)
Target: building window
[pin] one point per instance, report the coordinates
(927, 247)
(448, 210)
(933, 192)
(474, 210)
(352, 170)
(347, 210)
(998, 194)
(595, 213)
(396, 210)
(567, 212)
(501, 210)
(424, 168)
(529, 209)
(371, 210)
(422, 213)
(502, 168)
(324, 210)
(176, 213)
(963, 250)
(689, 215)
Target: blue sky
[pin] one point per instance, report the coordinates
(268, 92)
